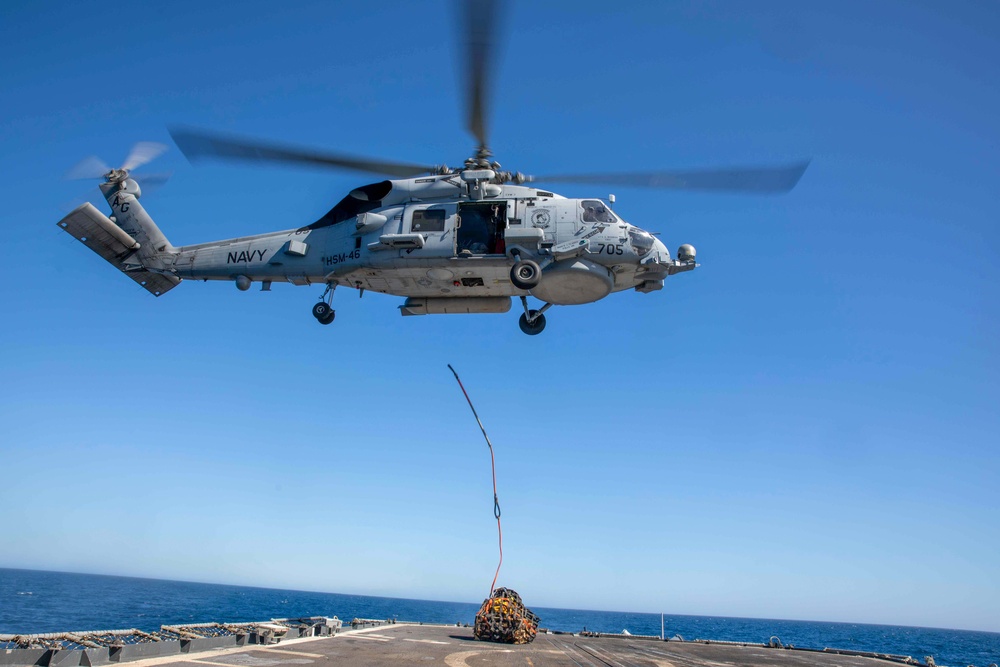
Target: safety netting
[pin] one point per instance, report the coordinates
(503, 618)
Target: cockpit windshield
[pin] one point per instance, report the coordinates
(641, 241)
(594, 210)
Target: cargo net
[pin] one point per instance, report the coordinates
(504, 618)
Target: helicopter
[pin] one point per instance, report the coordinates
(449, 240)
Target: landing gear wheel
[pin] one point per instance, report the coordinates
(535, 327)
(322, 310)
(327, 319)
(525, 274)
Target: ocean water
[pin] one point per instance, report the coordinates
(33, 601)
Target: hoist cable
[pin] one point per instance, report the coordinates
(493, 464)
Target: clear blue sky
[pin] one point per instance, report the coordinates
(805, 427)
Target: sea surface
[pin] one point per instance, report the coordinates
(33, 601)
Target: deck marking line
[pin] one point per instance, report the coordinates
(301, 654)
(565, 649)
(648, 652)
(607, 659)
(459, 659)
(570, 653)
(425, 641)
(248, 660)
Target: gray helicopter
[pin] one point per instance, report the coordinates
(450, 240)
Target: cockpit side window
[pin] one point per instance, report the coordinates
(594, 210)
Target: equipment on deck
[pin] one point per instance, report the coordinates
(504, 618)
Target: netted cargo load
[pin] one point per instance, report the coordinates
(504, 618)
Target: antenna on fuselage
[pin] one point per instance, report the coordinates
(611, 200)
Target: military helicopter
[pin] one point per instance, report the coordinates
(450, 240)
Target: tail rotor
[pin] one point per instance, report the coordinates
(142, 153)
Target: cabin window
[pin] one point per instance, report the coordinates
(428, 220)
(594, 210)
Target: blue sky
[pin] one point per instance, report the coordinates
(805, 427)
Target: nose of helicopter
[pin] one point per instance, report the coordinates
(660, 249)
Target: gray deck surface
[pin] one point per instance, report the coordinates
(454, 646)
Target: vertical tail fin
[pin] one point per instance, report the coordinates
(131, 217)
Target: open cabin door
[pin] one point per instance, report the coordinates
(481, 228)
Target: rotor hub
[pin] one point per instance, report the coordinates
(116, 175)
(481, 159)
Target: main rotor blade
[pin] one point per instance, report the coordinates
(759, 180)
(196, 144)
(480, 26)
(143, 153)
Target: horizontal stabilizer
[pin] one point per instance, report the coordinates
(156, 284)
(96, 231)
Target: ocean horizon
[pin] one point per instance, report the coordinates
(37, 601)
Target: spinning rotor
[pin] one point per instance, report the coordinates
(478, 23)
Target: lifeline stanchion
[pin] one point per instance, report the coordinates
(496, 501)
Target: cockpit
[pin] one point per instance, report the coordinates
(642, 241)
(594, 210)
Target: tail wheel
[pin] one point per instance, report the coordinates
(525, 274)
(532, 323)
(327, 319)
